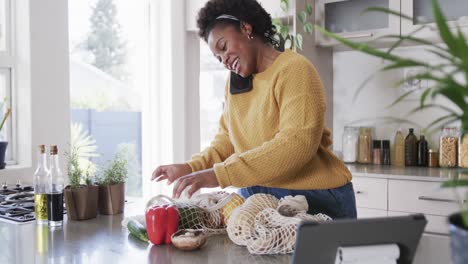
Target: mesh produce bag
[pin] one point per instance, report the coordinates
(208, 212)
(266, 225)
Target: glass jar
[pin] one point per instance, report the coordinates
(365, 145)
(377, 152)
(463, 150)
(350, 143)
(433, 158)
(448, 145)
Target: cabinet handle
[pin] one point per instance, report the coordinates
(426, 198)
(359, 192)
(365, 35)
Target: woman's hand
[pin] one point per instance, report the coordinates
(171, 172)
(200, 179)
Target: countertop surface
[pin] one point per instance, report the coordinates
(104, 240)
(406, 173)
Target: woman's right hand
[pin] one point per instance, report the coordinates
(171, 172)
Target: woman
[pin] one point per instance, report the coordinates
(272, 136)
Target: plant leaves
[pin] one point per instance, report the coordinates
(309, 9)
(455, 183)
(299, 41)
(443, 28)
(284, 5)
(450, 119)
(308, 27)
(302, 16)
(284, 31)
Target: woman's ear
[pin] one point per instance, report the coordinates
(246, 29)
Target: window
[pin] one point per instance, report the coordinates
(7, 77)
(109, 68)
(213, 78)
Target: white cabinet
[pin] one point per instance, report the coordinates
(345, 18)
(455, 11)
(370, 213)
(370, 192)
(379, 197)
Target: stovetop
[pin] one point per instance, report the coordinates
(17, 203)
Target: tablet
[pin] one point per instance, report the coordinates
(317, 242)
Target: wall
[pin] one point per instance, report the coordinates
(351, 68)
(42, 94)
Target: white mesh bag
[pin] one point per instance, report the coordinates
(266, 225)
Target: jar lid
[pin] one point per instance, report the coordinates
(377, 143)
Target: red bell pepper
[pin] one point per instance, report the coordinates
(161, 223)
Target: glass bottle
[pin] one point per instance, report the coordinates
(386, 152)
(377, 152)
(463, 150)
(40, 187)
(350, 143)
(433, 160)
(365, 145)
(55, 192)
(411, 149)
(422, 151)
(448, 145)
(399, 149)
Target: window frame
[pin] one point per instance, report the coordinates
(8, 67)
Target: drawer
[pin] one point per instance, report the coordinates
(370, 213)
(370, 192)
(421, 197)
(435, 223)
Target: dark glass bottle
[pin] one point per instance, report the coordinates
(422, 151)
(386, 152)
(411, 149)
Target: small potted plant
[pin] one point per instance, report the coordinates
(81, 195)
(3, 143)
(112, 186)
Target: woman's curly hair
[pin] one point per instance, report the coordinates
(249, 11)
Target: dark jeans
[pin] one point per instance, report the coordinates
(336, 203)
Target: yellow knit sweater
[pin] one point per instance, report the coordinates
(275, 134)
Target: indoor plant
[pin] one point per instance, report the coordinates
(444, 83)
(112, 186)
(81, 195)
(3, 143)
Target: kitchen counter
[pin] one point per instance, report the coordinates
(406, 173)
(104, 240)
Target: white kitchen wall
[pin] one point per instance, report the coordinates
(350, 69)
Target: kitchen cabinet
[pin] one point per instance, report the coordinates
(392, 191)
(345, 18)
(455, 11)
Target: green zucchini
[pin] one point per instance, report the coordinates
(137, 230)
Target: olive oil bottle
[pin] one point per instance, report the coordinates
(40, 187)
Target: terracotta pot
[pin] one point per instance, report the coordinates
(3, 147)
(458, 239)
(111, 199)
(81, 202)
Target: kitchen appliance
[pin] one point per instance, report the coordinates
(17, 203)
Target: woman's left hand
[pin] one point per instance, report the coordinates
(196, 180)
